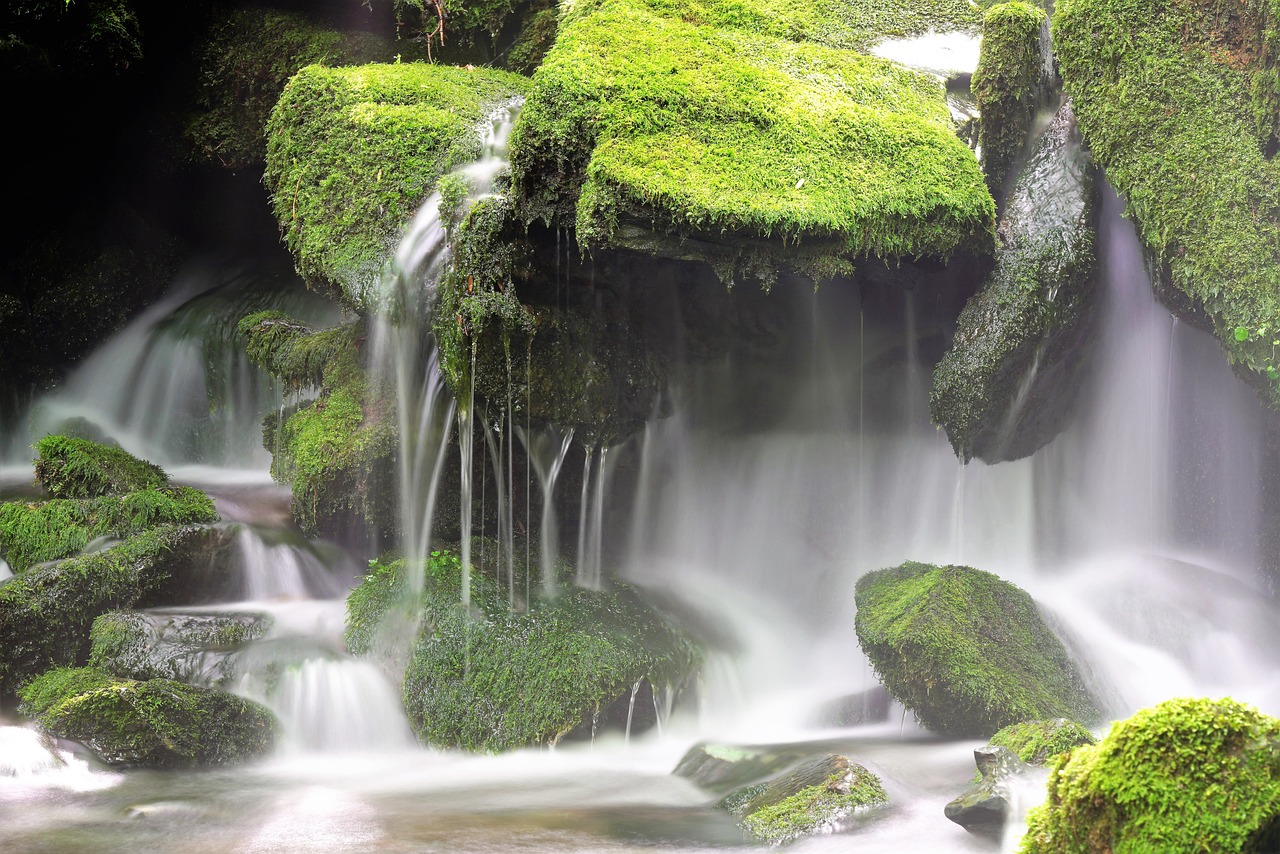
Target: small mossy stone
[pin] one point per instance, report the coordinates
(158, 723)
(79, 468)
(1036, 742)
(1187, 775)
(966, 651)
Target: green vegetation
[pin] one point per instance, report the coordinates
(536, 38)
(34, 533)
(1170, 94)
(158, 723)
(1188, 775)
(1036, 742)
(353, 152)
(248, 58)
(79, 468)
(645, 128)
(1007, 85)
(496, 679)
(967, 652)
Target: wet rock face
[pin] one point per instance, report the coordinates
(1011, 379)
(984, 808)
(198, 649)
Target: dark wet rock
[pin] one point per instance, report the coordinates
(198, 649)
(984, 808)
(1011, 379)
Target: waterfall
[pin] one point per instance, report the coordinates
(547, 450)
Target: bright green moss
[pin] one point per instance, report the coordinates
(643, 120)
(1164, 90)
(1007, 85)
(158, 723)
(814, 808)
(247, 60)
(79, 468)
(353, 152)
(966, 651)
(1188, 775)
(1036, 742)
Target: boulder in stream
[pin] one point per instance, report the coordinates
(157, 723)
(1187, 775)
(79, 468)
(198, 649)
(966, 651)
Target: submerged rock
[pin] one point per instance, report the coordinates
(815, 797)
(158, 723)
(1009, 383)
(966, 651)
(1187, 775)
(198, 649)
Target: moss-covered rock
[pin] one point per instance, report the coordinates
(966, 651)
(1187, 775)
(1008, 85)
(79, 468)
(698, 132)
(496, 679)
(1009, 382)
(1036, 742)
(46, 613)
(158, 723)
(814, 797)
(34, 533)
(198, 649)
(1165, 93)
(352, 153)
(248, 57)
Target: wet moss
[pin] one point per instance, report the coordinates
(1165, 92)
(158, 723)
(79, 468)
(353, 152)
(34, 533)
(1036, 742)
(1188, 775)
(1007, 85)
(967, 652)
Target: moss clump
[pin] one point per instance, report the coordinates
(646, 129)
(967, 652)
(1007, 85)
(79, 468)
(1009, 382)
(496, 679)
(353, 152)
(1164, 93)
(34, 533)
(814, 797)
(248, 57)
(1188, 775)
(158, 723)
(46, 613)
(1036, 742)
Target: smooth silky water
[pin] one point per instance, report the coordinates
(1136, 530)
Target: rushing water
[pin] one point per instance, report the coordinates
(1137, 529)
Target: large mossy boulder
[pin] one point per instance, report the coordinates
(1188, 775)
(352, 153)
(158, 723)
(69, 467)
(966, 651)
(195, 648)
(709, 134)
(1177, 101)
(1009, 382)
(491, 678)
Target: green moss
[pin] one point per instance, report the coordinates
(814, 808)
(1164, 93)
(1007, 86)
(79, 468)
(536, 38)
(966, 651)
(248, 58)
(34, 533)
(1188, 775)
(1036, 742)
(640, 118)
(157, 723)
(353, 152)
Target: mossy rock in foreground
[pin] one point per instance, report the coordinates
(79, 468)
(1188, 775)
(158, 723)
(814, 797)
(966, 651)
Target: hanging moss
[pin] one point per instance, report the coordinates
(1188, 775)
(1007, 85)
(967, 652)
(79, 468)
(1165, 93)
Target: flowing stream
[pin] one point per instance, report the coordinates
(1136, 529)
